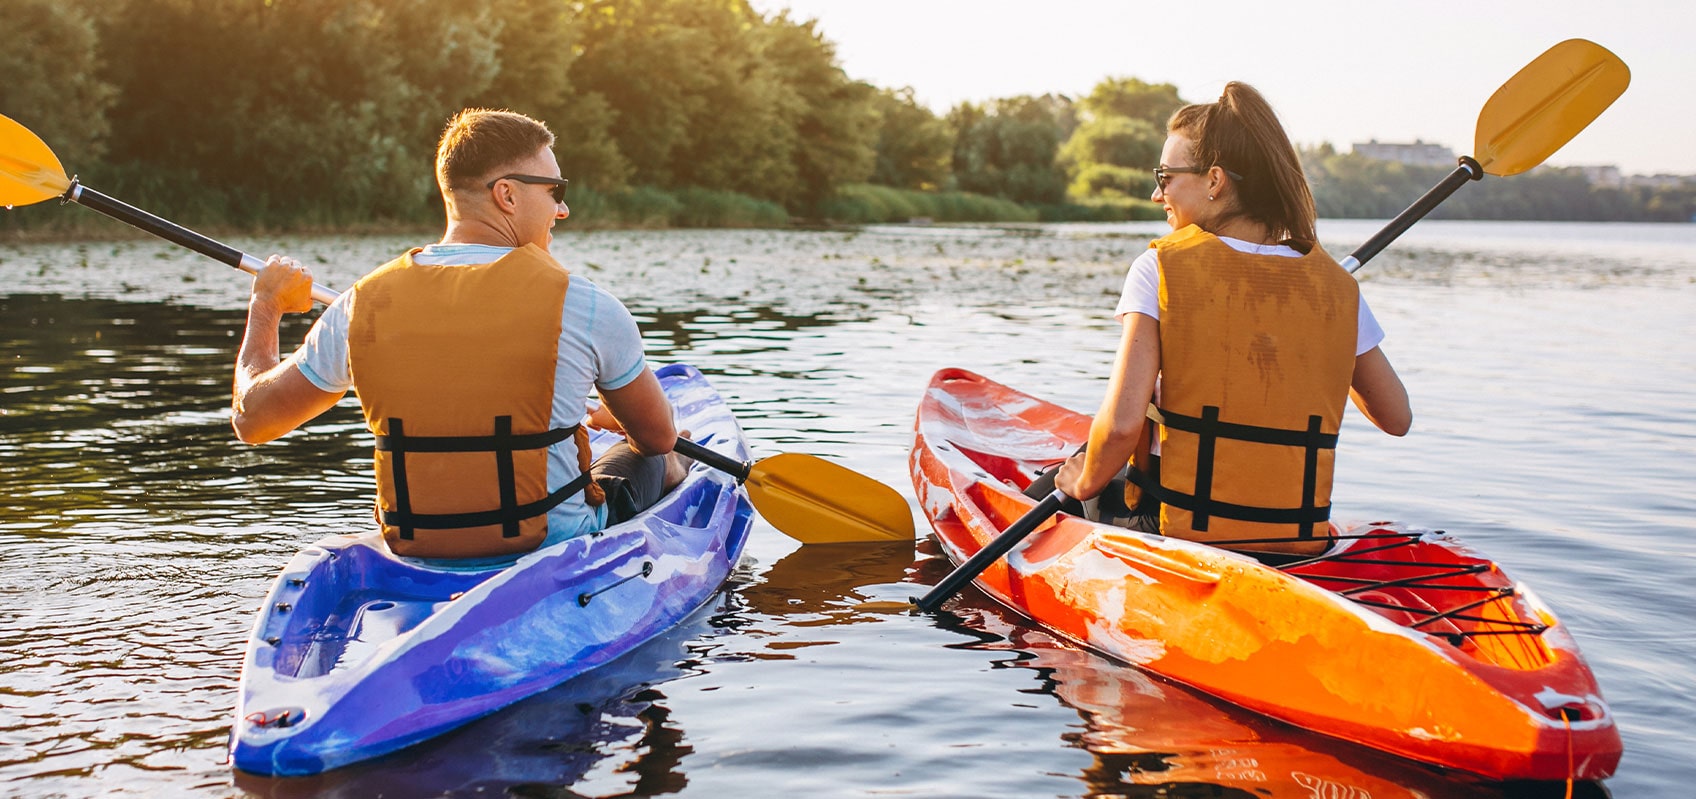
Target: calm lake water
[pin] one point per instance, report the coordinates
(1553, 372)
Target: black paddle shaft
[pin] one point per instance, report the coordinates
(176, 234)
(1009, 538)
(719, 461)
(1469, 170)
(163, 228)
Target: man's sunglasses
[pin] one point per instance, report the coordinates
(557, 184)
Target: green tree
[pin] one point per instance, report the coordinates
(708, 93)
(1111, 156)
(325, 109)
(536, 45)
(913, 145)
(1009, 148)
(50, 78)
(743, 137)
(834, 120)
(1353, 186)
(1670, 204)
(1111, 152)
(662, 67)
(1133, 99)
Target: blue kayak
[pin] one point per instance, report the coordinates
(357, 653)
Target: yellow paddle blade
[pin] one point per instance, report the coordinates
(29, 171)
(815, 501)
(1546, 104)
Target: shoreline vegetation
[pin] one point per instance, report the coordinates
(642, 209)
(670, 114)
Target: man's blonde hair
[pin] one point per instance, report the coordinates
(479, 142)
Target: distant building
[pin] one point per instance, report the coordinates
(1607, 175)
(1419, 153)
(1657, 181)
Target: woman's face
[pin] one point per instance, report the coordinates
(1184, 197)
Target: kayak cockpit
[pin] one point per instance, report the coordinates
(1423, 583)
(328, 614)
(370, 622)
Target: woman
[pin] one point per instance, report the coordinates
(1247, 336)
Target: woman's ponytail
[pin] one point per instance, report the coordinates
(1240, 133)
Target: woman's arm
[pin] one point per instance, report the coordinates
(1379, 394)
(1118, 424)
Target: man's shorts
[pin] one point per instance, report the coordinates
(632, 481)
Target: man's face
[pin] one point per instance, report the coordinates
(536, 211)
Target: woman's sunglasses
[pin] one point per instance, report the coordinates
(1165, 173)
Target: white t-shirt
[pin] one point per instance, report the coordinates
(1142, 290)
(1142, 295)
(599, 347)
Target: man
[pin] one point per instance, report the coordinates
(473, 359)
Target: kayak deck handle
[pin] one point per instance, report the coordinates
(586, 597)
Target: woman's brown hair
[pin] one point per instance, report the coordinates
(1241, 134)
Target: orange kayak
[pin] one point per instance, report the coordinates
(1400, 639)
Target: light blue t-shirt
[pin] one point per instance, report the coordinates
(599, 348)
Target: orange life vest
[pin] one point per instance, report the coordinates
(1256, 357)
(454, 366)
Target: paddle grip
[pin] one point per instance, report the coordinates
(1469, 170)
(176, 234)
(719, 461)
(1010, 537)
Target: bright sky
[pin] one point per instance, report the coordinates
(1335, 70)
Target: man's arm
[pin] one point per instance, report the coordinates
(271, 396)
(642, 409)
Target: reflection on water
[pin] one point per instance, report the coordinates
(1551, 368)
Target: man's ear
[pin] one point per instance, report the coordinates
(504, 196)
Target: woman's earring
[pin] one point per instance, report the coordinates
(1211, 197)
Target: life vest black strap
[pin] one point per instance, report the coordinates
(1211, 426)
(507, 516)
(1209, 429)
(396, 442)
(503, 444)
(504, 476)
(1306, 515)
